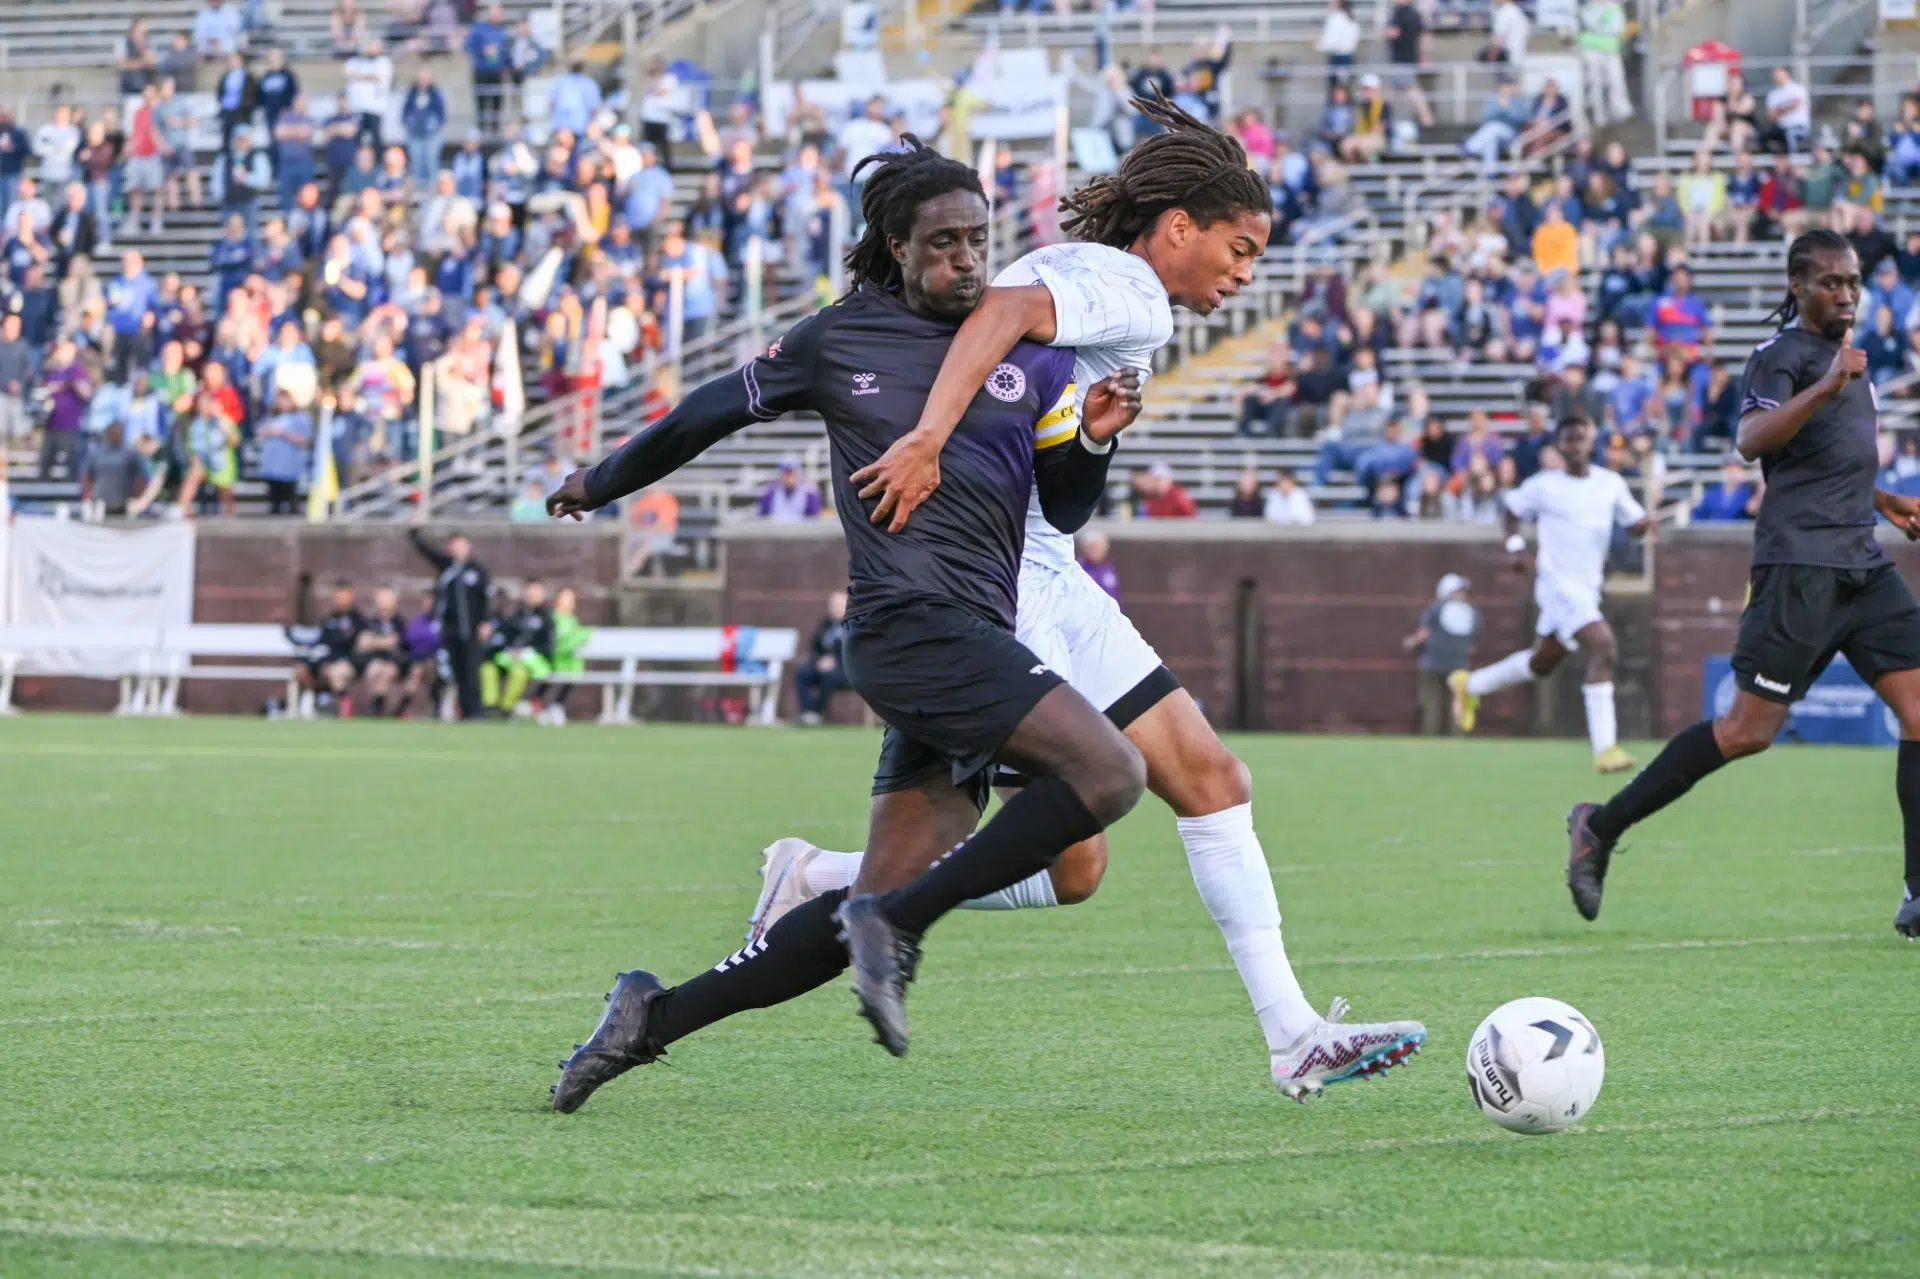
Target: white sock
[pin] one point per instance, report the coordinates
(1035, 892)
(1230, 870)
(828, 871)
(1600, 726)
(1514, 668)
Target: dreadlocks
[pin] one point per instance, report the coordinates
(901, 182)
(1799, 258)
(1191, 166)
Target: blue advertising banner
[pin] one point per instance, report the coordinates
(1839, 710)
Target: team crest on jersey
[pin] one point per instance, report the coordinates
(1007, 383)
(775, 348)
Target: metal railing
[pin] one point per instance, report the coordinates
(1670, 103)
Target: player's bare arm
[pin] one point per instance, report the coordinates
(1901, 512)
(1767, 431)
(909, 471)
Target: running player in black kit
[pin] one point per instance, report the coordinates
(1821, 584)
(930, 617)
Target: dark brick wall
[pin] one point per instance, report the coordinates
(1270, 629)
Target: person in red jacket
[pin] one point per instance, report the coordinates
(1166, 500)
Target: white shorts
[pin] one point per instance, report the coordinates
(1077, 629)
(1566, 609)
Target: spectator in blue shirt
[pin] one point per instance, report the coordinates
(230, 259)
(237, 94)
(342, 133)
(649, 192)
(1729, 498)
(1887, 291)
(490, 50)
(278, 87)
(1887, 347)
(286, 444)
(1628, 400)
(691, 264)
(573, 100)
(469, 165)
(131, 294)
(1679, 315)
(423, 115)
(294, 164)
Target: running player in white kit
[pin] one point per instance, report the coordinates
(1577, 510)
(1183, 221)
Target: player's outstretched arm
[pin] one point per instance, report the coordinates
(909, 471)
(765, 387)
(709, 414)
(433, 554)
(1767, 427)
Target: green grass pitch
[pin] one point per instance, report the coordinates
(286, 999)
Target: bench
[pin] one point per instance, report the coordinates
(182, 652)
(152, 662)
(614, 657)
(120, 653)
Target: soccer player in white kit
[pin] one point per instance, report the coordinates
(1577, 509)
(1183, 221)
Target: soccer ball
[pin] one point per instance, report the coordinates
(1535, 1065)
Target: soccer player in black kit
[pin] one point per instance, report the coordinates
(929, 639)
(1821, 584)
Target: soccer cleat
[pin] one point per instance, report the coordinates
(1613, 760)
(1587, 859)
(883, 962)
(783, 867)
(1332, 1053)
(617, 1045)
(1906, 920)
(1466, 706)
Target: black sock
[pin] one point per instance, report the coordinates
(1690, 756)
(379, 706)
(1025, 837)
(801, 952)
(1907, 782)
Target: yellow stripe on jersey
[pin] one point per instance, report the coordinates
(1061, 423)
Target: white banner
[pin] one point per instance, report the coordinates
(64, 573)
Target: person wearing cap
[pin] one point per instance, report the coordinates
(1444, 639)
(1372, 124)
(792, 496)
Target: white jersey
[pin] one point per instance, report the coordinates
(1577, 517)
(1112, 309)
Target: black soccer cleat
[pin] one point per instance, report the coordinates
(617, 1045)
(1906, 920)
(883, 962)
(1587, 858)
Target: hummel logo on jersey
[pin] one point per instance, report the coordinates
(863, 384)
(1772, 686)
(1038, 670)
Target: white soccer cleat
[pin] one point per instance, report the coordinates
(1331, 1053)
(783, 868)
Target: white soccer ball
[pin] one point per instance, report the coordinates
(1535, 1065)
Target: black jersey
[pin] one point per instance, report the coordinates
(1818, 508)
(530, 628)
(340, 632)
(867, 365)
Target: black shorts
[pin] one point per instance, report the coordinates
(950, 686)
(1135, 702)
(395, 658)
(1798, 616)
(316, 666)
